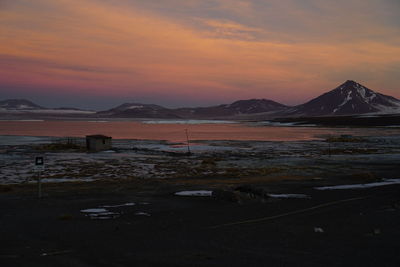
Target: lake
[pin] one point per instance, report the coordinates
(174, 131)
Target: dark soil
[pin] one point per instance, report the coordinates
(360, 227)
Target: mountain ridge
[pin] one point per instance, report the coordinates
(19, 104)
(349, 98)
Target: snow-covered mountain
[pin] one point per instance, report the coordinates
(350, 98)
(18, 104)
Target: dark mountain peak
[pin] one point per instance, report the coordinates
(350, 98)
(18, 104)
(352, 88)
(350, 82)
(137, 110)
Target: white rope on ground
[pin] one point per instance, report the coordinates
(287, 213)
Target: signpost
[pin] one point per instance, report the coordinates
(39, 167)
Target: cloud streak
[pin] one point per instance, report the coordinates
(286, 50)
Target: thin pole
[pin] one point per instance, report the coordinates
(39, 185)
(188, 142)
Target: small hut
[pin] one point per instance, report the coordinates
(98, 142)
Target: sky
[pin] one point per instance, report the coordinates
(100, 53)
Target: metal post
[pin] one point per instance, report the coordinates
(187, 139)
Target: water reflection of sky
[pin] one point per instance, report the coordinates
(175, 132)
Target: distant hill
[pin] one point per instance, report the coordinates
(26, 107)
(18, 104)
(241, 107)
(136, 110)
(350, 98)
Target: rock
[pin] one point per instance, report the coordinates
(227, 195)
(252, 192)
(240, 194)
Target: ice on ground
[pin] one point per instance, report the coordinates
(100, 214)
(318, 230)
(360, 186)
(198, 193)
(97, 210)
(64, 180)
(278, 124)
(152, 159)
(288, 196)
(103, 215)
(121, 205)
(141, 213)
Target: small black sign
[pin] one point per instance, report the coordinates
(39, 161)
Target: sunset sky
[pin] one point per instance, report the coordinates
(99, 53)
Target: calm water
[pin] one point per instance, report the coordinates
(176, 132)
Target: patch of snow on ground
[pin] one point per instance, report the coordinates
(318, 230)
(121, 205)
(141, 213)
(64, 180)
(100, 214)
(360, 186)
(278, 124)
(288, 196)
(198, 193)
(97, 210)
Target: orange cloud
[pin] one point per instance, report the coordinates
(97, 47)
